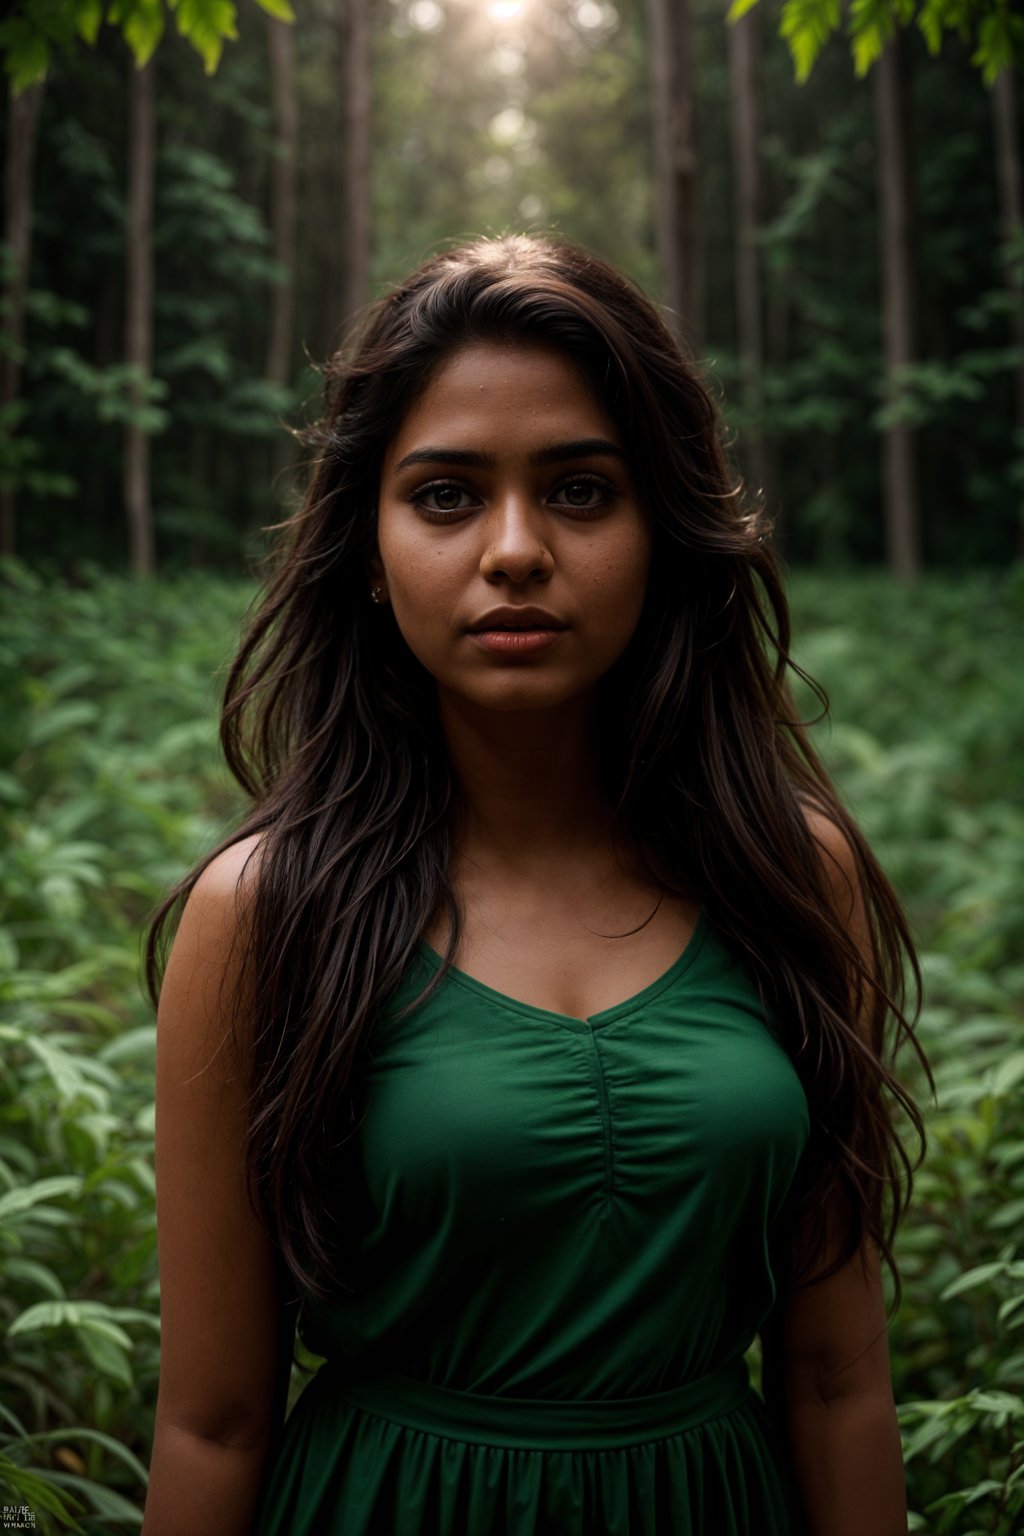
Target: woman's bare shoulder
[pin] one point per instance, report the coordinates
(199, 995)
(230, 877)
(839, 862)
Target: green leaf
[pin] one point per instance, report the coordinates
(16, 1269)
(1009, 1215)
(737, 10)
(106, 1503)
(31, 1195)
(107, 1356)
(206, 24)
(37, 1490)
(931, 21)
(283, 11)
(89, 19)
(871, 26)
(96, 1315)
(981, 1275)
(131, 1045)
(26, 53)
(1008, 1074)
(143, 28)
(997, 1402)
(806, 26)
(107, 1330)
(97, 1437)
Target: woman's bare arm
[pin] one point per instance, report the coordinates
(833, 1367)
(837, 1387)
(223, 1347)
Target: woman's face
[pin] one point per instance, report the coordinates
(507, 488)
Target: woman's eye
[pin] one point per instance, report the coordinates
(586, 493)
(445, 498)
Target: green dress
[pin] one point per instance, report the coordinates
(563, 1253)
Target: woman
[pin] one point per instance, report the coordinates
(532, 1030)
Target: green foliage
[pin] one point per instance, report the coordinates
(109, 787)
(928, 745)
(214, 420)
(824, 400)
(34, 30)
(995, 28)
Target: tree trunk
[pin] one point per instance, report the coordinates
(356, 206)
(674, 135)
(22, 123)
(139, 311)
(283, 195)
(746, 135)
(1011, 219)
(899, 481)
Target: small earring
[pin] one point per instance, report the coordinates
(375, 593)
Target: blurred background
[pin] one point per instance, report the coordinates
(843, 253)
(199, 201)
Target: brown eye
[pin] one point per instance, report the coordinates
(587, 492)
(440, 499)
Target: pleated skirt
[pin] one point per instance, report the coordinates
(381, 1454)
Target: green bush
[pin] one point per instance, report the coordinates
(928, 747)
(109, 788)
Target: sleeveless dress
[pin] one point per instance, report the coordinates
(562, 1252)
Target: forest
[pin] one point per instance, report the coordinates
(200, 200)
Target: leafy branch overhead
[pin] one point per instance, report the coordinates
(995, 29)
(34, 30)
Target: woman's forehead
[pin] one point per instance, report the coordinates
(505, 392)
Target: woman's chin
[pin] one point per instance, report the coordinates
(520, 695)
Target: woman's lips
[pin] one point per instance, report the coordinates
(515, 642)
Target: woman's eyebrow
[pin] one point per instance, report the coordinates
(584, 448)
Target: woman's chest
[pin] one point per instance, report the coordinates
(575, 955)
(478, 1103)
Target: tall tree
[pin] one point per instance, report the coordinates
(676, 164)
(746, 137)
(1011, 218)
(22, 121)
(283, 196)
(139, 313)
(354, 27)
(896, 190)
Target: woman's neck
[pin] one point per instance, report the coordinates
(529, 782)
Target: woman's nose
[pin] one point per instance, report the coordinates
(514, 534)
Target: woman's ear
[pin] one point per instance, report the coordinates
(375, 578)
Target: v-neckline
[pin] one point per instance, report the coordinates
(594, 1020)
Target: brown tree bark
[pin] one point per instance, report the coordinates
(283, 195)
(1011, 219)
(22, 125)
(746, 135)
(676, 165)
(139, 311)
(354, 26)
(899, 479)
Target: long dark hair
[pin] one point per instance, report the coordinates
(330, 724)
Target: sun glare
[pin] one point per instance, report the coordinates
(426, 15)
(506, 10)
